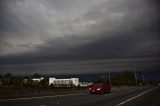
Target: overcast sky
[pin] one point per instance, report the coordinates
(78, 36)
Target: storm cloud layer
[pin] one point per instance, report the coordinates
(50, 31)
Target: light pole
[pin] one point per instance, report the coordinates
(109, 76)
(135, 77)
(36, 87)
(143, 79)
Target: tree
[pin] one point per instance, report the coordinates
(44, 83)
(8, 77)
(1, 77)
(102, 79)
(36, 75)
(17, 81)
(128, 78)
(29, 83)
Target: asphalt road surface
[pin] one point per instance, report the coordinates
(135, 96)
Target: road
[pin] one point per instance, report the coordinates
(135, 96)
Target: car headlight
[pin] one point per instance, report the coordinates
(99, 89)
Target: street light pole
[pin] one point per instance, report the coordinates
(135, 77)
(109, 76)
(143, 79)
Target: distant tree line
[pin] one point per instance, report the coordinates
(126, 78)
(9, 80)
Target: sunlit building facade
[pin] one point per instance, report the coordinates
(64, 82)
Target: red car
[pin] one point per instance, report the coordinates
(100, 88)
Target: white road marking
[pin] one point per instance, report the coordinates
(133, 97)
(41, 97)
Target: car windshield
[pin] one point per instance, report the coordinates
(99, 84)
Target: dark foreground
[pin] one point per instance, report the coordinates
(136, 96)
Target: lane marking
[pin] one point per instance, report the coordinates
(134, 97)
(41, 97)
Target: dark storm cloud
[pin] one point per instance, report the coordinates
(41, 31)
(80, 67)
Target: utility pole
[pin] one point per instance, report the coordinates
(36, 88)
(143, 79)
(109, 76)
(135, 77)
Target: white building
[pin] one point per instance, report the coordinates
(64, 82)
(37, 79)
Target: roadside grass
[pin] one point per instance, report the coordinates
(14, 92)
